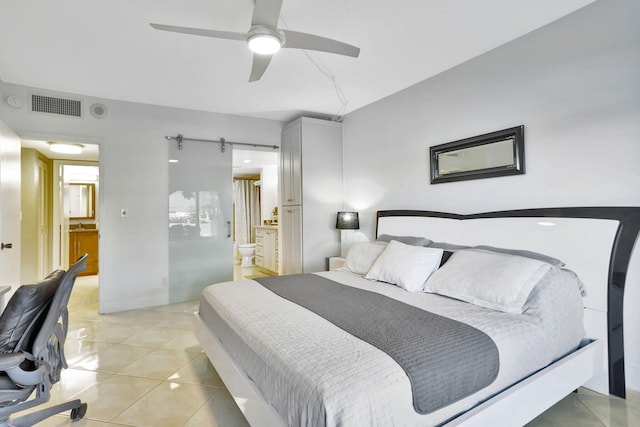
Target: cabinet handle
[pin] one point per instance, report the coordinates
(228, 228)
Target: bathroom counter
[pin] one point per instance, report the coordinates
(267, 227)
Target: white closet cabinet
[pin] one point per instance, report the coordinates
(291, 165)
(310, 194)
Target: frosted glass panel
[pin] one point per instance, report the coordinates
(200, 213)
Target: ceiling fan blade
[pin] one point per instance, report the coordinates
(229, 35)
(260, 63)
(294, 39)
(266, 12)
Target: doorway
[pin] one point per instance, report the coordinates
(255, 181)
(60, 205)
(79, 214)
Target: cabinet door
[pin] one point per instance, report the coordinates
(89, 244)
(81, 243)
(291, 228)
(290, 166)
(259, 257)
(73, 247)
(270, 250)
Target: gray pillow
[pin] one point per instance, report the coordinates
(520, 252)
(407, 240)
(452, 247)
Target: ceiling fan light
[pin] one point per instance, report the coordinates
(65, 148)
(264, 44)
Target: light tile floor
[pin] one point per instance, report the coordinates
(139, 368)
(146, 368)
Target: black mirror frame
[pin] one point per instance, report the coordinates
(517, 168)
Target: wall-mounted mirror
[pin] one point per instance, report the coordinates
(493, 154)
(82, 201)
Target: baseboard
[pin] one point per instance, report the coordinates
(114, 306)
(632, 376)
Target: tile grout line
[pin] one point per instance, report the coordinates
(593, 414)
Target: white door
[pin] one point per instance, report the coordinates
(60, 236)
(290, 165)
(291, 240)
(9, 206)
(200, 213)
(42, 218)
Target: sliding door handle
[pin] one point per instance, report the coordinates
(4, 245)
(228, 228)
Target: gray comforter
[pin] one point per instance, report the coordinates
(445, 360)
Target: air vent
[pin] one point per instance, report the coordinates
(51, 105)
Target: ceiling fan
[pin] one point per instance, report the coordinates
(265, 39)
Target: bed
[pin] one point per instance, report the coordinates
(286, 364)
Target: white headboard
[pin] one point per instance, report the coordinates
(595, 242)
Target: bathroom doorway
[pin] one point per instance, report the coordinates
(255, 206)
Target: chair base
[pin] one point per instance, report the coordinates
(78, 410)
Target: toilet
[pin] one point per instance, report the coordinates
(247, 251)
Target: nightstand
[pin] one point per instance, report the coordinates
(335, 262)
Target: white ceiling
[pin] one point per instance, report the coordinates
(107, 49)
(248, 163)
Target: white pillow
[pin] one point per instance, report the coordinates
(362, 255)
(406, 266)
(497, 281)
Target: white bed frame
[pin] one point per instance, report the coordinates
(596, 243)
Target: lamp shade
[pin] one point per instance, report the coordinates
(347, 221)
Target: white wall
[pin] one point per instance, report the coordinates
(574, 85)
(134, 174)
(269, 191)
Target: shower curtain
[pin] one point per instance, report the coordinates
(247, 207)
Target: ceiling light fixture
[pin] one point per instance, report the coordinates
(264, 44)
(65, 148)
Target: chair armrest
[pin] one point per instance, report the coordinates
(10, 360)
(10, 363)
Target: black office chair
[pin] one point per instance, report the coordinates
(33, 329)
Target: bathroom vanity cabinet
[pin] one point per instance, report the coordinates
(81, 242)
(267, 248)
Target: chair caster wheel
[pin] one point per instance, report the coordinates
(78, 413)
